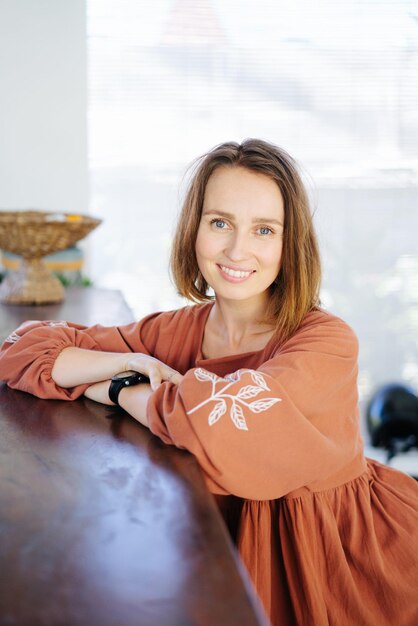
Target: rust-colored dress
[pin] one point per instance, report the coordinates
(328, 537)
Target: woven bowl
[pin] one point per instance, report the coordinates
(33, 235)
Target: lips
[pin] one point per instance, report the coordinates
(235, 274)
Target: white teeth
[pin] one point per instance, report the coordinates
(234, 273)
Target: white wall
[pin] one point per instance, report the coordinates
(43, 98)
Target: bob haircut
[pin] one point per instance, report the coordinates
(295, 291)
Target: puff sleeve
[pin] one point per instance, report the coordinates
(261, 433)
(28, 354)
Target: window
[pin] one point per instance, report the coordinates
(335, 83)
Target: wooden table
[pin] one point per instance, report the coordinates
(101, 523)
(83, 305)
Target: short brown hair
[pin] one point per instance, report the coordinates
(295, 292)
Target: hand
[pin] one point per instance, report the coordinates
(156, 370)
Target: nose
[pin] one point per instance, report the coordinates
(238, 247)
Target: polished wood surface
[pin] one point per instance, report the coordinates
(102, 524)
(83, 305)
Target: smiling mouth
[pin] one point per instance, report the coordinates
(235, 273)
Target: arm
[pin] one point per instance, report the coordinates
(29, 355)
(133, 400)
(76, 366)
(260, 434)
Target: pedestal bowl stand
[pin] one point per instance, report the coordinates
(33, 235)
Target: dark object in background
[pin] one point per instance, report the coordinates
(392, 419)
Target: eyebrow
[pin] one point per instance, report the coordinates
(256, 220)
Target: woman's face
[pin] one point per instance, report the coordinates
(240, 236)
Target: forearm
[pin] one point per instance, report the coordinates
(132, 399)
(76, 366)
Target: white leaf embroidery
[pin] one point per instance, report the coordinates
(237, 416)
(204, 375)
(240, 397)
(263, 405)
(217, 412)
(234, 377)
(12, 338)
(58, 323)
(249, 391)
(259, 380)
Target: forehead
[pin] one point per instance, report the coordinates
(238, 187)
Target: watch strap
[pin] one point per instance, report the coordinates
(119, 383)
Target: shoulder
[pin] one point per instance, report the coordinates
(323, 331)
(326, 322)
(186, 319)
(172, 336)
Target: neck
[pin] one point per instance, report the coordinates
(238, 321)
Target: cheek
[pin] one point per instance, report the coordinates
(199, 246)
(272, 256)
(206, 246)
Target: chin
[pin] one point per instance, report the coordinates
(241, 295)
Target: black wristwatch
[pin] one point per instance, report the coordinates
(124, 379)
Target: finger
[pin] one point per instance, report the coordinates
(173, 377)
(154, 375)
(176, 378)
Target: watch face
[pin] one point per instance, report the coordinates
(126, 374)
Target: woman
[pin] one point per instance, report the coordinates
(258, 383)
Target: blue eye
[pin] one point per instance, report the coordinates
(265, 230)
(219, 223)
